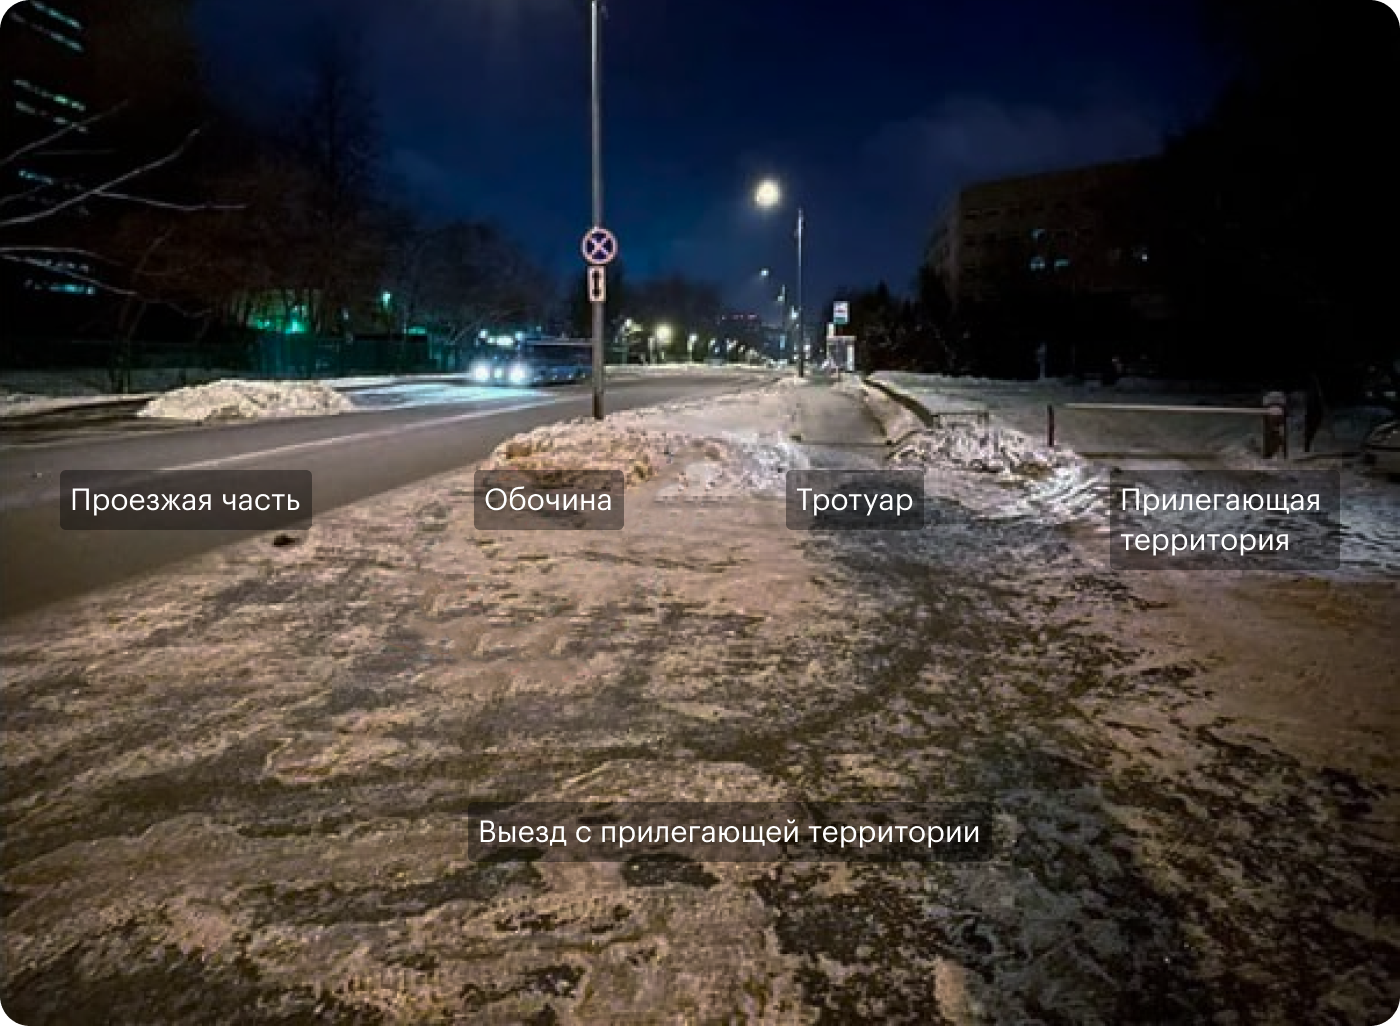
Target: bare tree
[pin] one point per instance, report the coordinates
(336, 143)
(468, 276)
(34, 233)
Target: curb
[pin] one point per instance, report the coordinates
(78, 404)
(911, 404)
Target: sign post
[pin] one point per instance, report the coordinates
(842, 350)
(599, 248)
(595, 62)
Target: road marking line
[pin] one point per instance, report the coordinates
(321, 443)
(15, 501)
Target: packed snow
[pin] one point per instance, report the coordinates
(248, 400)
(642, 369)
(1003, 472)
(725, 446)
(19, 404)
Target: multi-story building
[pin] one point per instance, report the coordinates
(1085, 230)
(45, 102)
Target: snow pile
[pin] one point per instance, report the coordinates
(247, 400)
(983, 449)
(746, 467)
(716, 447)
(611, 444)
(1002, 474)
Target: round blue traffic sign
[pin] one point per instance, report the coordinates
(599, 246)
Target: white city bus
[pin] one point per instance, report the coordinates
(532, 360)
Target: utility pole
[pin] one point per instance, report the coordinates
(599, 304)
(801, 340)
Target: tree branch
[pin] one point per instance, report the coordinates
(68, 129)
(10, 252)
(103, 190)
(20, 197)
(183, 208)
(97, 283)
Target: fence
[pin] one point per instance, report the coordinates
(1274, 414)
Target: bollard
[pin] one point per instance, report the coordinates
(1049, 426)
(1275, 425)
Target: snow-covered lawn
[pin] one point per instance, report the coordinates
(1014, 474)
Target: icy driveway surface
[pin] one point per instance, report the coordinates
(235, 794)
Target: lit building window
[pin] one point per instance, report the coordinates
(1061, 263)
(58, 37)
(1037, 234)
(58, 119)
(58, 98)
(58, 16)
(1037, 263)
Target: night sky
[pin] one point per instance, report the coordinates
(869, 112)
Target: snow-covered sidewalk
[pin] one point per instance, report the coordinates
(252, 770)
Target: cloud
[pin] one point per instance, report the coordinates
(967, 139)
(432, 185)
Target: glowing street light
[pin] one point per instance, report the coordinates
(768, 195)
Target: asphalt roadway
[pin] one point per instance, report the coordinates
(351, 457)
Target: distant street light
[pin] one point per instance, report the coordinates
(768, 195)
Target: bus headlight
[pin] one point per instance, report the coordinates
(481, 371)
(519, 374)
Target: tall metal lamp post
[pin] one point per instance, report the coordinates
(768, 195)
(597, 297)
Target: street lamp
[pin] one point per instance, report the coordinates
(769, 195)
